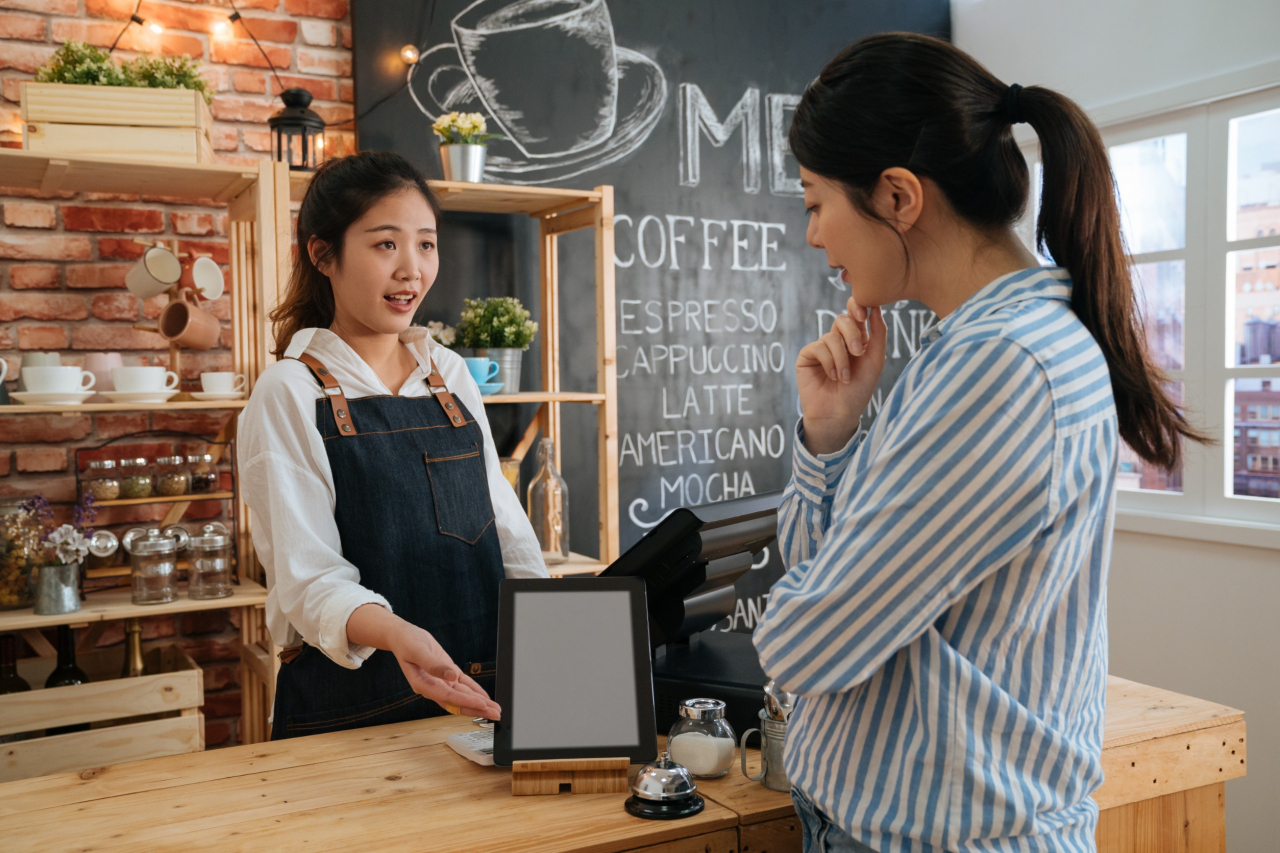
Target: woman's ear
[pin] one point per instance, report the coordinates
(899, 197)
(318, 250)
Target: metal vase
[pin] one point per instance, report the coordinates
(773, 740)
(463, 162)
(58, 590)
(508, 359)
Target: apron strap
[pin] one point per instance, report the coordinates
(332, 390)
(441, 393)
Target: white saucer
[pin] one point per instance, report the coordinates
(140, 396)
(61, 398)
(207, 396)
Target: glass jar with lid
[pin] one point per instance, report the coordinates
(702, 739)
(172, 476)
(102, 480)
(136, 479)
(210, 575)
(20, 532)
(153, 556)
(204, 473)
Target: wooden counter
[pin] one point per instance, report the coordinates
(400, 788)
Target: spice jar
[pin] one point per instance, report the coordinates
(102, 481)
(135, 478)
(20, 533)
(172, 476)
(210, 575)
(153, 556)
(204, 473)
(702, 739)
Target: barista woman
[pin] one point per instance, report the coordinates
(943, 618)
(377, 503)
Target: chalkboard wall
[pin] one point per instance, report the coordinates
(683, 106)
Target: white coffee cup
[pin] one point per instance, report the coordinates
(57, 380)
(143, 379)
(37, 359)
(223, 382)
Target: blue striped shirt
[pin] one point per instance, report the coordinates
(944, 614)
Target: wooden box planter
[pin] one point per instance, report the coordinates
(119, 122)
(135, 718)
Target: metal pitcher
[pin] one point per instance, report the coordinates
(58, 589)
(773, 739)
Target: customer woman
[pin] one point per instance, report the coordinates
(943, 618)
(378, 507)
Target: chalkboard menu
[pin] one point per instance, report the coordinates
(683, 106)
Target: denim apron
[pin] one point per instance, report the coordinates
(414, 516)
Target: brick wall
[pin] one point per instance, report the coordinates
(63, 257)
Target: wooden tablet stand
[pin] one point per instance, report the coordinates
(570, 775)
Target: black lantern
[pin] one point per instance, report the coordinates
(297, 132)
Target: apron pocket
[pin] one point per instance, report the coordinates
(460, 492)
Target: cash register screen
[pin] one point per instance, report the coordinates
(573, 675)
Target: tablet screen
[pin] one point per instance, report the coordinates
(575, 686)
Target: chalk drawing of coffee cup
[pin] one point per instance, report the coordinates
(606, 101)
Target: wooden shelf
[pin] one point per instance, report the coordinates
(170, 499)
(113, 604)
(577, 565)
(545, 397)
(100, 175)
(487, 198)
(90, 408)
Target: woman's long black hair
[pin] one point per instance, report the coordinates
(340, 192)
(907, 100)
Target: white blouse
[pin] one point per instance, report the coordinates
(288, 486)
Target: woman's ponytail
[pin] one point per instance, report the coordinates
(907, 100)
(1079, 226)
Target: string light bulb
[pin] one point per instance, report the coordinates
(409, 54)
(155, 28)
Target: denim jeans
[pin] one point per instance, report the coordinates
(820, 835)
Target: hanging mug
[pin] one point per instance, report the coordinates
(185, 323)
(773, 739)
(155, 272)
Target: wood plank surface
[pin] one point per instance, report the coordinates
(196, 181)
(720, 841)
(312, 800)
(1153, 768)
(1138, 712)
(773, 836)
(118, 604)
(178, 145)
(23, 759)
(1192, 821)
(114, 105)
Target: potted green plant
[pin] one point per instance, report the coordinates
(463, 141)
(82, 102)
(498, 328)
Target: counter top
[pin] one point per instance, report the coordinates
(400, 788)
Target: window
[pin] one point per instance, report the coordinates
(1199, 197)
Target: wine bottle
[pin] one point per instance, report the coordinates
(133, 664)
(66, 673)
(10, 681)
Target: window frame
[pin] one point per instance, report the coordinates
(1209, 370)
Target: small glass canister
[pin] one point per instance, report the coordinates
(135, 478)
(702, 739)
(153, 556)
(20, 546)
(210, 575)
(102, 481)
(204, 473)
(172, 476)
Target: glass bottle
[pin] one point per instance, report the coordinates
(102, 481)
(549, 507)
(10, 681)
(204, 473)
(66, 674)
(133, 665)
(702, 739)
(172, 476)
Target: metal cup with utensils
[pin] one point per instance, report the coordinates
(778, 703)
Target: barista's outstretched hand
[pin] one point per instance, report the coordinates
(837, 375)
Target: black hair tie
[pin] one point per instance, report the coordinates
(1013, 110)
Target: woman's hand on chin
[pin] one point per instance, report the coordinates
(433, 674)
(837, 375)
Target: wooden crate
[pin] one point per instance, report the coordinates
(119, 122)
(135, 718)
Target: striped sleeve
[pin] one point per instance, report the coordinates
(925, 514)
(806, 502)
